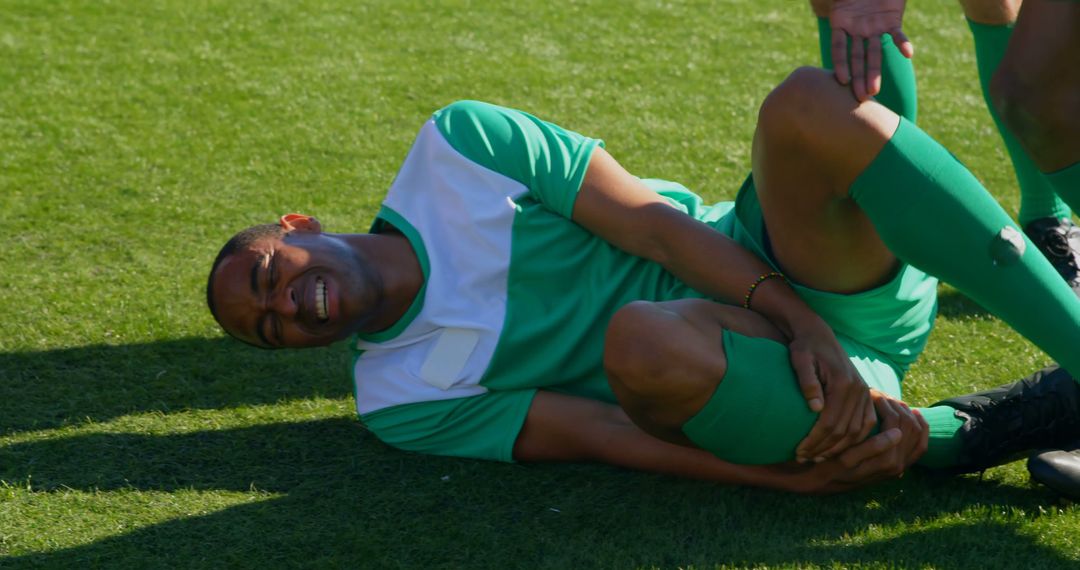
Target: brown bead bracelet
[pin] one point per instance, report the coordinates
(761, 279)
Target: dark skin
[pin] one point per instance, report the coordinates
(558, 427)
(266, 295)
(615, 206)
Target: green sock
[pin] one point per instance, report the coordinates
(757, 415)
(1067, 183)
(931, 212)
(1037, 197)
(943, 447)
(897, 74)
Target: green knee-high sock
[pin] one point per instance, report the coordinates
(898, 90)
(1067, 183)
(931, 212)
(944, 445)
(1037, 197)
(757, 415)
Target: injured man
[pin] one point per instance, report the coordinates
(522, 297)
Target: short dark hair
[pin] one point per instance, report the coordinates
(238, 242)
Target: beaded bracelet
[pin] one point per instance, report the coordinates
(761, 279)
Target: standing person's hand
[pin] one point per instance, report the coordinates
(864, 21)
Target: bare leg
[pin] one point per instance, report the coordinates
(1037, 87)
(825, 166)
(812, 140)
(992, 12)
(665, 360)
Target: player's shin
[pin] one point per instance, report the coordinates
(931, 212)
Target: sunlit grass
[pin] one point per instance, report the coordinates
(135, 137)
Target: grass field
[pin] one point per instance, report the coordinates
(136, 136)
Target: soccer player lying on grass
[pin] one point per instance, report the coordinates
(1026, 58)
(515, 268)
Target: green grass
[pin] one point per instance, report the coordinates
(135, 137)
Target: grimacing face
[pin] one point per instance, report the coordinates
(304, 289)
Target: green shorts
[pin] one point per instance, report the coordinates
(883, 330)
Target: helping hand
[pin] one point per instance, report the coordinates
(865, 21)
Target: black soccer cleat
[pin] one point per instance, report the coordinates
(1058, 469)
(1001, 424)
(1059, 240)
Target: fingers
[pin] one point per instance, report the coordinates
(834, 423)
(858, 69)
(916, 437)
(840, 55)
(873, 65)
(907, 49)
(809, 384)
(875, 446)
(870, 419)
(862, 419)
(887, 413)
(913, 427)
(924, 441)
(811, 442)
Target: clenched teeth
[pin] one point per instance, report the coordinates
(320, 300)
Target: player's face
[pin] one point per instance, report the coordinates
(304, 289)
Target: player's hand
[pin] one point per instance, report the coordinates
(887, 455)
(868, 462)
(915, 432)
(864, 21)
(833, 387)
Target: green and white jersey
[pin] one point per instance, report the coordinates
(516, 297)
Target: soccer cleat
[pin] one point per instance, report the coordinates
(1001, 424)
(1058, 469)
(1059, 240)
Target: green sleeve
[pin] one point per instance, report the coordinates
(548, 160)
(479, 427)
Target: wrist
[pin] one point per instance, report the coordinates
(801, 322)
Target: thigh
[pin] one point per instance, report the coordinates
(812, 141)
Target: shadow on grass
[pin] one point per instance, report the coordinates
(48, 389)
(348, 500)
(953, 304)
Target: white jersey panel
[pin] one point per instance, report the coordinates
(464, 214)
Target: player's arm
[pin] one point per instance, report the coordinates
(568, 428)
(572, 176)
(616, 206)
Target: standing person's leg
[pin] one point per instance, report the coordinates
(852, 184)
(1037, 92)
(898, 87)
(1041, 209)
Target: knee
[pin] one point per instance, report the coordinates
(632, 349)
(787, 110)
(649, 354)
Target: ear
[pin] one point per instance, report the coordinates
(300, 223)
